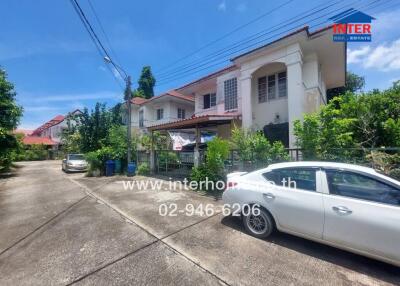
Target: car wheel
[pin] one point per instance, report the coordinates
(259, 226)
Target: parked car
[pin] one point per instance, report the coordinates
(74, 163)
(346, 206)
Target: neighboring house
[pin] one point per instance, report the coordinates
(36, 140)
(267, 88)
(53, 128)
(167, 107)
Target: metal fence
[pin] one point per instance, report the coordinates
(175, 163)
(180, 163)
(142, 157)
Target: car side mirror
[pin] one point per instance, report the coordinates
(64, 160)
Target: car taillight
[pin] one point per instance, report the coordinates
(230, 185)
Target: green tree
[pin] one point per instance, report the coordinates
(138, 93)
(146, 83)
(70, 137)
(116, 114)
(160, 141)
(354, 83)
(367, 120)
(10, 114)
(93, 127)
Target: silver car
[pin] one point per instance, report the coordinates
(74, 163)
(347, 206)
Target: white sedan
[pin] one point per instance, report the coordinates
(347, 206)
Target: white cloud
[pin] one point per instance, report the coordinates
(222, 6)
(384, 57)
(355, 56)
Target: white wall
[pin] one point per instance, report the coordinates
(170, 108)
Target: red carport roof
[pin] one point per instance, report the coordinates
(36, 140)
(192, 122)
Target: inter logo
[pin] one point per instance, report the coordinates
(352, 26)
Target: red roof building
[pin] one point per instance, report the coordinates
(36, 140)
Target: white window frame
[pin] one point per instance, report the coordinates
(267, 96)
(213, 100)
(160, 113)
(230, 94)
(181, 113)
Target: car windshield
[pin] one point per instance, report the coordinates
(76, 157)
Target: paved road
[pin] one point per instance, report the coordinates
(63, 229)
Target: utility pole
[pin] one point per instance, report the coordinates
(128, 96)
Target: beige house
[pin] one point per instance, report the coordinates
(267, 88)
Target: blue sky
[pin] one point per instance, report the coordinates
(56, 68)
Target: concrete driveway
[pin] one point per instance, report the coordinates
(63, 229)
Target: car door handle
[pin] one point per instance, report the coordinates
(342, 210)
(269, 196)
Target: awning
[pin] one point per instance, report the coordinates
(193, 122)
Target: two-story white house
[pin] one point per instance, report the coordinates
(267, 88)
(167, 107)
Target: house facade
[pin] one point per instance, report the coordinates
(53, 129)
(268, 88)
(167, 107)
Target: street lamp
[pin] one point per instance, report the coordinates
(127, 98)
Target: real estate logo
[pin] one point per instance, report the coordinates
(352, 26)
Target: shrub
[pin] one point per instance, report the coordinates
(213, 168)
(201, 173)
(395, 174)
(31, 153)
(255, 150)
(143, 169)
(98, 158)
(388, 164)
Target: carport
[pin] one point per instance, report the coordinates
(218, 123)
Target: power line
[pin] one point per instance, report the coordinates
(235, 51)
(224, 61)
(225, 36)
(102, 29)
(223, 52)
(95, 39)
(172, 78)
(253, 37)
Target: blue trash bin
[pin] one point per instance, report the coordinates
(110, 165)
(131, 169)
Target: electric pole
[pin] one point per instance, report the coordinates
(128, 96)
